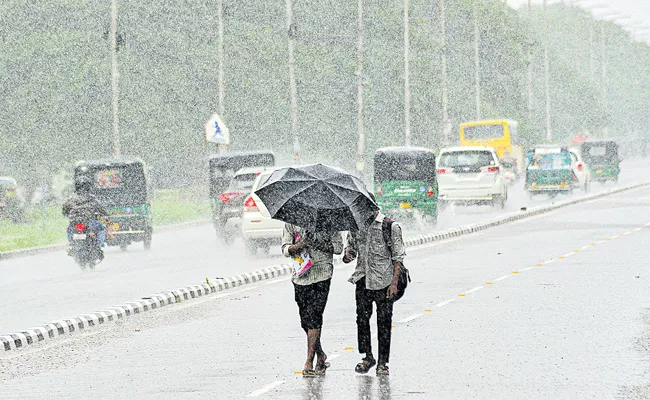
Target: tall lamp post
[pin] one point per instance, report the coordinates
(407, 87)
(446, 123)
(477, 62)
(115, 78)
(291, 32)
(547, 86)
(361, 145)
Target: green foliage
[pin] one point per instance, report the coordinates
(55, 79)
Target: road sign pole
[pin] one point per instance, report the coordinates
(115, 80)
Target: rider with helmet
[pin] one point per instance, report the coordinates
(83, 208)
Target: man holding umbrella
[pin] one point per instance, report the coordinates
(317, 202)
(312, 287)
(375, 277)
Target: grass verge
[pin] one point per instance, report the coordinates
(46, 227)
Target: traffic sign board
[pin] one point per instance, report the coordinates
(216, 131)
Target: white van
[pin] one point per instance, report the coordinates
(470, 175)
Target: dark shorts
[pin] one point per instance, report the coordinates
(311, 300)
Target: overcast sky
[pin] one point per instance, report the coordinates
(637, 10)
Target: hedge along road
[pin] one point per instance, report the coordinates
(41, 288)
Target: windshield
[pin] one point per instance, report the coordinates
(599, 152)
(242, 182)
(483, 132)
(549, 161)
(123, 185)
(405, 167)
(472, 159)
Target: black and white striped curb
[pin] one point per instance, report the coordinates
(84, 322)
(467, 229)
(80, 323)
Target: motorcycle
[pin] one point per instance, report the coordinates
(85, 247)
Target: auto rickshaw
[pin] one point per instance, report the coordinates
(405, 182)
(222, 169)
(121, 185)
(549, 172)
(10, 207)
(602, 159)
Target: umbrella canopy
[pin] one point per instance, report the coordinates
(317, 197)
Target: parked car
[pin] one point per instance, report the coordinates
(258, 229)
(232, 201)
(470, 175)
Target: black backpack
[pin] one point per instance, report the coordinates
(404, 277)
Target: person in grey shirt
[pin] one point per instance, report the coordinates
(375, 277)
(312, 287)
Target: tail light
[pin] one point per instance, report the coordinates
(580, 167)
(429, 191)
(227, 196)
(80, 227)
(379, 191)
(441, 171)
(250, 205)
(491, 169)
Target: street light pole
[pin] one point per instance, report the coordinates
(529, 86)
(407, 89)
(291, 30)
(361, 145)
(477, 62)
(115, 77)
(446, 123)
(222, 84)
(603, 77)
(549, 136)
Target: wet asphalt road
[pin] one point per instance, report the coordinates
(46, 287)
(565, 316)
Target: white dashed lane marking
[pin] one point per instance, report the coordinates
(444, 303)
(411, 318)
(265, 389)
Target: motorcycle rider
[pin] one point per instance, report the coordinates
(83, 208)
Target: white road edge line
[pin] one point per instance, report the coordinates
(444, 303)
(411, 318)
(265, 389)
(525, 269)
(549, 261)
(502, 278)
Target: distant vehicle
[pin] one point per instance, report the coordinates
(471, 175)
(10, 204)
(405, 182)
(602, 159)
(549, 171)
(258, 229)
(232, 200)
(501, 135)
(122, 186)
(222, 169)
(581, 170)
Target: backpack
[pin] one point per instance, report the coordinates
(404, 277)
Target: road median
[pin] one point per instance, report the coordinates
(14, 342)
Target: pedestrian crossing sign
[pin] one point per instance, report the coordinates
(216, 131)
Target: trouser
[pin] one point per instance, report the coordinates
(365, 298)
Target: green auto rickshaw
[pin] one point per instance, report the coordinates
(549, 172)
(602, 159)
(121, 185)
(405, 182)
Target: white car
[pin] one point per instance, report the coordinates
(580, 169)
(470, 175)
(258, 229)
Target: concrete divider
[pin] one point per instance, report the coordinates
(16, 341)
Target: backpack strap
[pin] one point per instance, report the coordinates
(387, 232)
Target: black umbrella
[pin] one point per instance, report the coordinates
(317, 197)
